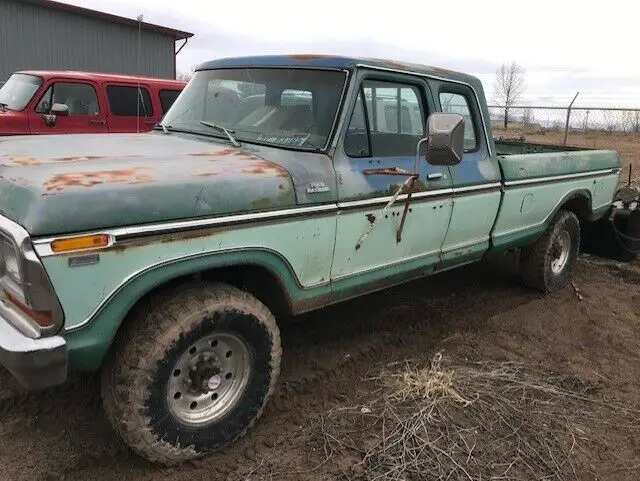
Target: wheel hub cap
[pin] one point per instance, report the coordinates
(560, 252)
(208, 379)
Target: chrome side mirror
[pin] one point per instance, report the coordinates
(445, 138)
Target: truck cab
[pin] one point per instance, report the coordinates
(57, 102)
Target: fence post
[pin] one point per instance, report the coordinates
(566, 125)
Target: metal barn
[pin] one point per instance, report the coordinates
(49, 35)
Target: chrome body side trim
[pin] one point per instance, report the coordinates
(558, 178)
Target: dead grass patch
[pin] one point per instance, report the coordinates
(473, 421)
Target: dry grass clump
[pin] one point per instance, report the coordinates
(472, 421)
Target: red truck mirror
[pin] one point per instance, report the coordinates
(60, 109)
(56, 109)
(445, 134)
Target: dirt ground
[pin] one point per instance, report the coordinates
(589, 332)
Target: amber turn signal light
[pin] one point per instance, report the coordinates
(80, 243)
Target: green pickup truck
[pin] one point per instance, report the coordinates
(164, 260)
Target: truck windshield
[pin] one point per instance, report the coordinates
(16, 93)
(287, 107)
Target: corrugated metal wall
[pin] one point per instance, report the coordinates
(33, 37)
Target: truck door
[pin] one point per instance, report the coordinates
(130, 109)
(384, 123)
(476, 181)
(84, 112)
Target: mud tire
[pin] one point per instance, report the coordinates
(536, 259)
(135, 375)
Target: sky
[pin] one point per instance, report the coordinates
(565, 46)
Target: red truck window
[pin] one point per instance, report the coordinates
(80, 98)
(123, 101)
(167, 97)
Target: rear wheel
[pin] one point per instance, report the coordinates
(548, 263)
(192, 373)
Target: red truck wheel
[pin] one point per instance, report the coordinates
(548, 263)
(192, 372)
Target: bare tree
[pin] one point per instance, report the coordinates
(186, 76)
(509, 85)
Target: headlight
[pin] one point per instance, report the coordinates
(10, 261)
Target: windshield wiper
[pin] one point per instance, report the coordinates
(4, 106)
(164, 127)
(227, 131)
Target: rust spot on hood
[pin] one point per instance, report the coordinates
(60, 182)
(266, 167)
(205, 154)
(247, 155)
(23, 160)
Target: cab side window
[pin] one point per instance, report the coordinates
(127, 101)
(79, 97)
(458, 103)
(167, 98)
(388, 120)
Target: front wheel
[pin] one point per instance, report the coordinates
(548, 263)
(192, 373)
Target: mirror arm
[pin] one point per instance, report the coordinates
(416, 169)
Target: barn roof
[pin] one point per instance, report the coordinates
(65, 7)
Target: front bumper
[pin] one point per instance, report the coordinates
(35, 363)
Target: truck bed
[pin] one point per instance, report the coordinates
(515, 146)
(523, 160)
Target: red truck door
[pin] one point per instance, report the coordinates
(85, 113)
(130, 109)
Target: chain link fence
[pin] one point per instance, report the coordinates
(541, 120)
(589, 127)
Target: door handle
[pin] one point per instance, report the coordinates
(434, 176)
(97, 121)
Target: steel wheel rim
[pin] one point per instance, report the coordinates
(196, 394)
(560, 252)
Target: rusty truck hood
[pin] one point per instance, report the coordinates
(72, 183)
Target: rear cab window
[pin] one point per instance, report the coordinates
(129, 101)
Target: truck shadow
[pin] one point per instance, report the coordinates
(68, 420)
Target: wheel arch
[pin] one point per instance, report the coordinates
(263, 273)
(577, 201)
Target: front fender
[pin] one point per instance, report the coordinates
(89, 342)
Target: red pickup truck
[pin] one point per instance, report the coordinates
(54, 102)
